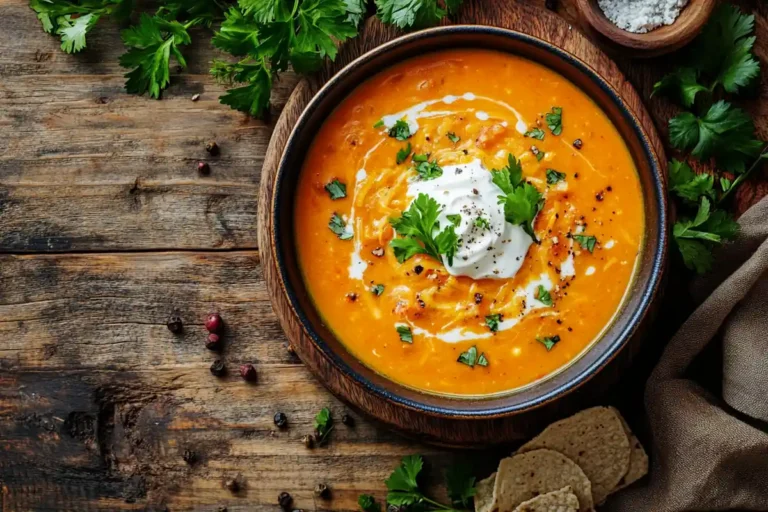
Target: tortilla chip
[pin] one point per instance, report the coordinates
(556, 501)
(638, 459)
(595, 440)
(484, 494)
(525, 476)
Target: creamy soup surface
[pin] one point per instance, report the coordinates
(468, 222)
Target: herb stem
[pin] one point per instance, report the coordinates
(743, 177)
(438, 505)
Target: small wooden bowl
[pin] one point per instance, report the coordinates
(662, 40)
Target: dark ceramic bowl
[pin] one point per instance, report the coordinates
(377, 387)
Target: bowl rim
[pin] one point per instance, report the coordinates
(648, 293)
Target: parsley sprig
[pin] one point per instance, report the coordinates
(323, 425)
(522, 201)
(404, 490)
(419, 232)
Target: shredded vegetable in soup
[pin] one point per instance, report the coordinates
(468, 222)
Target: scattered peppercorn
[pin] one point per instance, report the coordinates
(195, 97)
(478, 298)
(599, 196)
(281, 420)
(578, 144)
(213, 148)
(289, 348)
(189, 457)
(233, 484)
(308, 440)
(213, 342)
(248, 372)
(221, 509)
(218, 368)
(351, 296)
(348, 420)
(285, 500)
(203, 168)
(213, 323)
(550, 4)
(378, 252)
(418, 269)
(322, 491)
(174, 324)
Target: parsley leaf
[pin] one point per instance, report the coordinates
(586, 242)
(416, 226)
(696, 237)
(725, 184)
(338, 226)
(400, 130)
(356, 10)
(725, 133)
(403, 154)
(482, 223)
(402, 483)
(336, 189)
(554, 176)
(460, 484)
(377, 289)
(428, 170)
(521, 200)
(323, 425)
(411, 13)
(368, 503)
(549, 341)
(73, 20)
(543, 296)
(492, 321)
(535, 133)
(687, 184)
(681, 85)
(405, 333)
(555, 120)
(453, 137)
(471, 358)
(455, 219)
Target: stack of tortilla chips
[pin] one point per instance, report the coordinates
(572, 465)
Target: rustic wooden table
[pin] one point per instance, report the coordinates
(106, 228)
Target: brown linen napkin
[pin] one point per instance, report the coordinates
(710, 452)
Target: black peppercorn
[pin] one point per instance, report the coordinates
(213, 342)
(289, 348)
(218, 368)
(322, 491)
(308, 440)
(285, 500)
(203, 168)
(281, 421)
(234, 484)
(212, 148)
(578, 144)
(418, 269)
(189, 457)
(478, 298)
(174, 324)
(348, 420)
(248, 372)
(550, 4)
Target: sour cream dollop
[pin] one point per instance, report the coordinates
(489, 248)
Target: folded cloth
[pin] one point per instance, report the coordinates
(710, 450)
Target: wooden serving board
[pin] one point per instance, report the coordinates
(526, 19)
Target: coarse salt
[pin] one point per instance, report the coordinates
(641, 16)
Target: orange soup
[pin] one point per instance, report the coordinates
(468, 222)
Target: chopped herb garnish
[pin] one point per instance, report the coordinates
(586, 242)
(368, 503)
(454, 218)
(549, 341)
(323, 425)
(543, 296)
(405, 333)
(535, 133)
(429, 170)
(416, 226)
(492, 321)
(377, 289)
(471, 358)
(482, 223)
(379, 124)
(460, 484)
(401, 130)
(453, 137)
(554, 176)
(338, 226)
(422, 157)
(555, 120)
(540, 156)
(403, 153)
(336, 189)
(521, 200)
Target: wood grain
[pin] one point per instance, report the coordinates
(97, 400)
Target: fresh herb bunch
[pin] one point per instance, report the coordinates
(266, 36)
(720, 62)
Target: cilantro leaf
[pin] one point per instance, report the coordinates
(151, 44)
(339, 227)
(455, 219)
(252, 98)
(696, 237)
(482, 223)
(405, 333)
(404, 477)
(416, 226)
(453, 137)
(238, 34)
(510, 176)
(543, 296)
(460, 484)
(428, 170)
(548, 341)
(73, 20)
(323, 424)
(322, 25)
(403, 154)
(687, 184)
(400, 130)
(73, 31)
(471, 358)
(554, 120)
(586, 242)
(521, 200)
(725, 133)
(336, 189)
(377, 289)
(411, 13)
(535, 133)
(681, 85)
(368, 503)
(554, 176)
(356, 10)
(725, 184)
(492, 321)
(696, 255)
